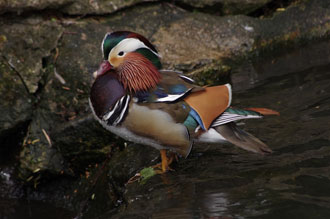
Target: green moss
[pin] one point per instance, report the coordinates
(147, 173)
(213, 74)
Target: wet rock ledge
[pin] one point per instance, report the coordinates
(50, 48)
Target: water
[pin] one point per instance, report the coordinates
(17, 202)
(19, 209)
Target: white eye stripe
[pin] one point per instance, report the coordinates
(130, 45)
(102, 45)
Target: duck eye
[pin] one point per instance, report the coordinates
(121, 53)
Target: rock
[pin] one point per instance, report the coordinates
(200, 44)
(16, 103)
(197, 40)
(136, 158)
(99, 6)
(80, 143)
(82, 7)
(106, 183)
(286, 28)
(27, 46)
(27, 43)
(226, 7)
(38, 156)
(87, 7)
(15, 109)
(21, 6)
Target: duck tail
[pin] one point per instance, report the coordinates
(233, 134)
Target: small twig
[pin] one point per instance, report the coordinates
(47, 137)
(65, 88)
(59, 77)
(13, 67)
(56, 54)
(134, 178)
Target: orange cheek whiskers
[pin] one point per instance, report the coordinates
(137, 73)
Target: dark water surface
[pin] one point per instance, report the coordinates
(17, 209)
(222, 181)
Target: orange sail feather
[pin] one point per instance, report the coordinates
(210, 103)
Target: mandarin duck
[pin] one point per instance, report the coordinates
(135, 99)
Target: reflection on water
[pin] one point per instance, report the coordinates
(215, 204)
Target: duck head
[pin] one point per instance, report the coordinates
(132, 58)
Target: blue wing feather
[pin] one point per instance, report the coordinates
(177, 89)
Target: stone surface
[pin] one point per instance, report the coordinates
(38, 155)
(107, 182)
(86, 7)
(225, 7)
(27, 42)
(16, 103)
(198, 40)
(99, 6)
(81, 7)
(286, 28)
(21, 6)
(28, 45)
(15, 110)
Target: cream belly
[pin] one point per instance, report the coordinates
(158, 126)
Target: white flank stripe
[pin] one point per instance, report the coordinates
(109, 114)
(172, 97)
(120, 117)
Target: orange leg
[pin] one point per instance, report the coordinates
(165, 161)
(165, 164)
(173, 156)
